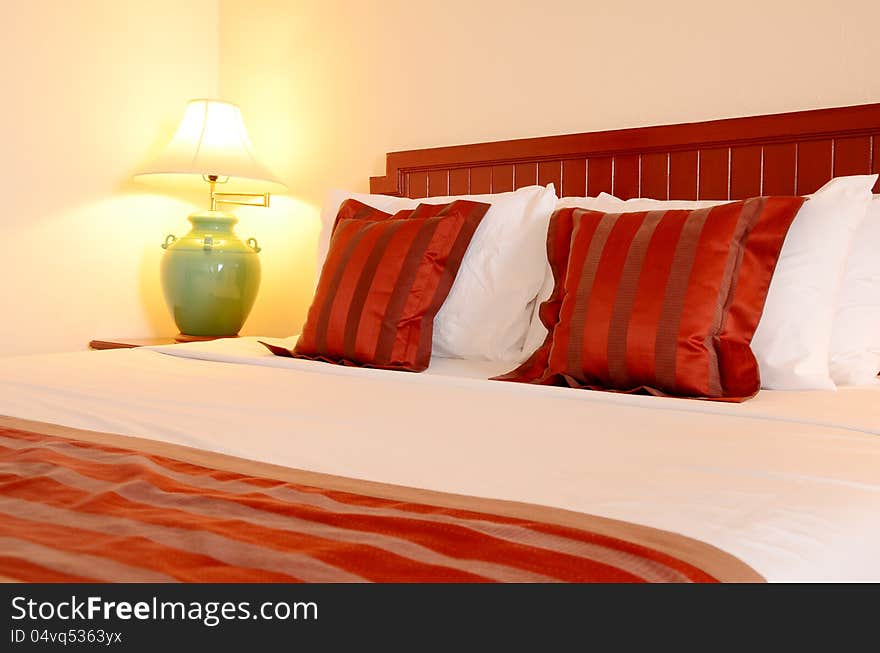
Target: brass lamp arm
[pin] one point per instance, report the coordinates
(252, 199)
(216, 197)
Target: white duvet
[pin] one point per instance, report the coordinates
(789, 482)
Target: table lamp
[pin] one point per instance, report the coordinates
(209, 276)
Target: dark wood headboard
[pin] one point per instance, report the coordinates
(780, 154)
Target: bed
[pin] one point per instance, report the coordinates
(218, 461)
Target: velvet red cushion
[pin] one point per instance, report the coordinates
(383, 281)
(665, 302)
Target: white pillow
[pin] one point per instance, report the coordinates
(606, 202)
(488, 310)
(855, 339)
(793, 340)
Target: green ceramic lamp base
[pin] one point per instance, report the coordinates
(210, 277)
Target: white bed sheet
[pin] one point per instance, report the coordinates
(789, 482)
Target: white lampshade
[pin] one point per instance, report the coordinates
(210, 140)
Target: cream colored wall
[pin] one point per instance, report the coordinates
(329, 87)
(88, 88)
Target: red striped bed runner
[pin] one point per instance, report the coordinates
(75, 510)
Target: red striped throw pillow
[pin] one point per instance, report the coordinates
(664, 302)
(383, 281)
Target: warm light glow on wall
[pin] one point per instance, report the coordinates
(327, 98)
(288, 235)
(98, 277)
(81, 241)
